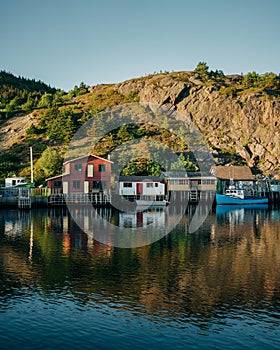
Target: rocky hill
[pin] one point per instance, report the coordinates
(244, 127)
(238, 115)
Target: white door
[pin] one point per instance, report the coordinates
(86, 186)
(65, 187)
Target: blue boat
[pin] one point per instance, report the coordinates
(235, 196)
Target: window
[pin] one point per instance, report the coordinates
(127, 222)
(90, 170)
(156, 184)
(127, 184)
(76, 184)
(104, 185)
(102, 168)
(99, 185)
(78, 167)
(150, 185)
(183, 182)
(208, 182)
(96, 185)
(58, 184)
(179, 182)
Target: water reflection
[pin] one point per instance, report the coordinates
(229, 267)
(127, 229)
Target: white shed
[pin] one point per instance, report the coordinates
(140, 185)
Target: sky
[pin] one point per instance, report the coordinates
(66, 42)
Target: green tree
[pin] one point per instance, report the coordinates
(124, 134)
(48, 165)
(32, 130)
(250, 80)
(202, 69)
(46, 100)
(79, 90)
(48, 116)
(14, 103)
(269, 80)
(154, 168)
(29, 104)
(183, 164)
(58, 97)
(59, 125)
(130, 169)
(142, 167)
(68, 127)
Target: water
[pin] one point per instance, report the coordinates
(217, 288)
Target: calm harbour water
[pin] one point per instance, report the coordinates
(217, 288)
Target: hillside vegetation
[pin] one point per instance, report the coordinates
(237, 114)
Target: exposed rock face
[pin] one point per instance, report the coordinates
(14, 129)
(165, 91)
(247, 125)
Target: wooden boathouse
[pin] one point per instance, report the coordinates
(190, 186)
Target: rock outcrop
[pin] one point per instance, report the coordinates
(245, 127)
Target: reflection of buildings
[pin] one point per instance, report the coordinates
(15, 222)
(142, 218)
(238, 222)
(107, 225)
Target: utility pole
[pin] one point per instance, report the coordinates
(31, 164)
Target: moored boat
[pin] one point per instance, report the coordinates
(16, 182)
(236, 196)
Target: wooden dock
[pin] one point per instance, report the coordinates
(79, 198)
(26, 198)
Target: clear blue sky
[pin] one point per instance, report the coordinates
(65, 42)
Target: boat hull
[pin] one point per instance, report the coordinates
(222, 199)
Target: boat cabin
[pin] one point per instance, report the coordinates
(236, 193)
(15, 181)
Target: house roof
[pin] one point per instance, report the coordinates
(90, 155)
(233, 172)
(54, 177)
(174, 174)
(139, 178)
(185, 174)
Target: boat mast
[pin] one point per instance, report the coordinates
(31, 164)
